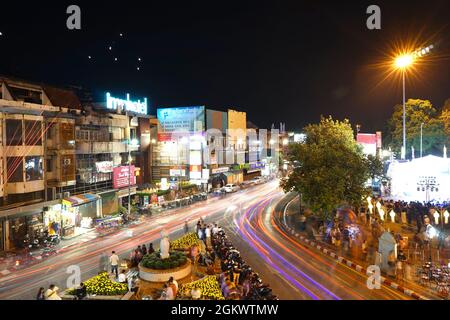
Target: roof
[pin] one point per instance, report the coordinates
(62, 97)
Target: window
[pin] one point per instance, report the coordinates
(14, 169)
(33, 168)
(49, 166)
(33, 133)
(14, 132)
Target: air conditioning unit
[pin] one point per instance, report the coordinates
(59, 196)
(66, 194)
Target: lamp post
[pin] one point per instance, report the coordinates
(421, 138)
(135, 143)
(402, 63)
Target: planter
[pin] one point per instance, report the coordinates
(153, 275)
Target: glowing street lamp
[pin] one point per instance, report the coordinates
(402, 63)
(446, 214)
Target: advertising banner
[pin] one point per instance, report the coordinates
(120, 177)
(182, 119)
(104, 166)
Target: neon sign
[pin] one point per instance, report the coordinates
(127, 105)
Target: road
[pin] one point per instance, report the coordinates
(292, 270)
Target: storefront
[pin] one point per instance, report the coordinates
(110, 205)
(20, 226)
(218, 178)
(236, 177)
(254, 171)
(79, 213)
(52, 219)
(122, 195)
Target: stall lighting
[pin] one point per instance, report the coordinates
(446, 214)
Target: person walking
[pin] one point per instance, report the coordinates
(150, 249)
(114, 262)
(144, 250)
(52, 293)
(186, 227)
(41, 294)
(208, 236)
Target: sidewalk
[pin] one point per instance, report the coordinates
(354, 257)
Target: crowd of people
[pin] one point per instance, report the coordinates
(237, 279)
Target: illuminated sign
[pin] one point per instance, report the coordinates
(122, 177)
(182, 119)
(127, 105)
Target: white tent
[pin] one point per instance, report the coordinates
(421, 179)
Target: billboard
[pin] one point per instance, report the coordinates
(181, 119)
(121, 179)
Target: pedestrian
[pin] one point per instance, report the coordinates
(167, 293)
(150, 248)
(139, 249)
(41, 294)
(215, 229)
(81, 292)
(144, 250)
(52, 293)
(122, 277)
(208, 236)
(172, 286)
(364, 251)
(114, 262)
(175, 282)
(186, 227)
(200, 233)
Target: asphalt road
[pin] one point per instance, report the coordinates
(292, 270)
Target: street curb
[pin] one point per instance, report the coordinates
(349, 263)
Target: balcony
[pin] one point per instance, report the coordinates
(92, 147)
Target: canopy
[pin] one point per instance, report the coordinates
(81, 199)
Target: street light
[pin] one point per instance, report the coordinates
(134, 143)
(402, 63)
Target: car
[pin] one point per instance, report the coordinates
(258, 180)
(231, 188)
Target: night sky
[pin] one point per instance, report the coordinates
(277, 60)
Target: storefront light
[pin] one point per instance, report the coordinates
(446, 214)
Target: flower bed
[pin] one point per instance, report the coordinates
(154, 261)
(209, 287)
(185, 242)
(102, 285)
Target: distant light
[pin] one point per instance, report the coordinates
(285, 142)
(110, 48)
(1, 33)
(115, 59)
(89, 57)
(138, 68)
(139, 59)
(121, 34)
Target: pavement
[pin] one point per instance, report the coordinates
(352, 258)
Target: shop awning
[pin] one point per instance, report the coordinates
(81, 199)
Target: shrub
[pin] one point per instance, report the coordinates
(154, 261)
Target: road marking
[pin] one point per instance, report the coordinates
(5, 272)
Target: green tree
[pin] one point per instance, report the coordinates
(417, 112)
(329, 167)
